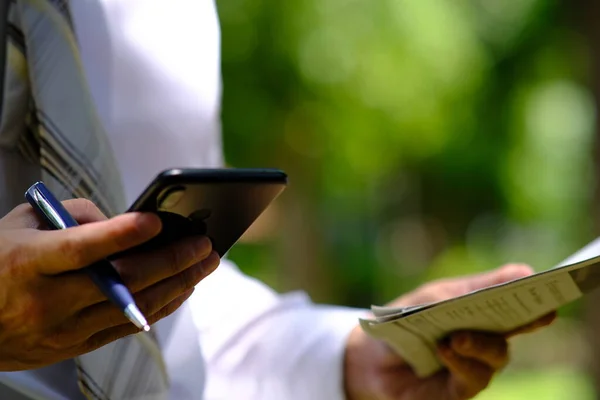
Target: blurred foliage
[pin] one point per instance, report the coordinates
(554, 384)
(423, 139)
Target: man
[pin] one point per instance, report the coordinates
(152, 68)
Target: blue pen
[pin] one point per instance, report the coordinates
(102, 272)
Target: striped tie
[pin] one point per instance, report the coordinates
(49, 111)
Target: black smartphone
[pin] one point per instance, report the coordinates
(219, 203)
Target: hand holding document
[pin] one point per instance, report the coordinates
(414, 332)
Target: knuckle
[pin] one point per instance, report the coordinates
(20, 214)
(203, 247)
(174, 259)
(124, 236)
(57, 342)
(179, 257)
(72, 250)
(84, 207)
(15, 259)
(190, 252)
(34, 312)
(21, 209)
(37, 314)
(80, 291)
(80, 322)
(186, 280)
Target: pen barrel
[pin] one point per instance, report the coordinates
(110, 283)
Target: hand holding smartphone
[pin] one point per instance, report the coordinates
(219, 203)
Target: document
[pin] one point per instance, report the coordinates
(415, 331)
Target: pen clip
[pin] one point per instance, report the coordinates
(48, 207)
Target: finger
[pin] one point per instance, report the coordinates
(105, 315)
(74, 248)
(77, 291)
(500, 275)
(140, 271)
(84, 211)
(23, 216)
(535, 325)
(487, 348)
(467, 377)
(111, 334)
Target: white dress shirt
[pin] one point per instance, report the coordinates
(153, 68)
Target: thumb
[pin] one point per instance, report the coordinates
(80, 246)
(506, 273)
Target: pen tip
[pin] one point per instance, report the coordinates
(136, 316)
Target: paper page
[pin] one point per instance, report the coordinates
(421, 356)
(379, 311)
(506, 308)
(589, 251)
(502, 309)
(586, 273)
(383, 314)
(587, 268)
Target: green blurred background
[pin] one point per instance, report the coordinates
(423, 139)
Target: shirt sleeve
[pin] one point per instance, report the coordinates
(258, 344)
